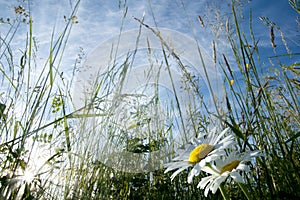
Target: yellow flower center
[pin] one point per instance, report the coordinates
(200, 152)
(230, 166)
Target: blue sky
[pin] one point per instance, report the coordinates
(100, 22)
(99, 25)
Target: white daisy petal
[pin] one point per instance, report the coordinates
(204, 181)
(202, 150)
(212, 133)
(216, 154)
(232, 166)
(184, 154)
(194, 172)
(208, 158)
(206, 191)
(202, 164)
(243, 167)
(176, 165)
(208, 187)
(227, 141)
(215, 168)
(177, 172)
(255, 153)
(237, 177)
(209, 170)
(220, 135)
(217, 183)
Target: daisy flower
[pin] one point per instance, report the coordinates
(202, 150)
(230, 166)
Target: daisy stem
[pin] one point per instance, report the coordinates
(223, 192)
(245, 191)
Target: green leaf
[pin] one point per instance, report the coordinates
(235, 128)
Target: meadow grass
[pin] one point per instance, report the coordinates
(37, 113)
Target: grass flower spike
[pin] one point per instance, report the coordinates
(202, 150)
(230, 166)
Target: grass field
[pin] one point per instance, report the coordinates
(113, 145)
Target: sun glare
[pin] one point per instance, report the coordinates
(28, 175)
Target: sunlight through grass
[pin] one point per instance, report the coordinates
(146, 102)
